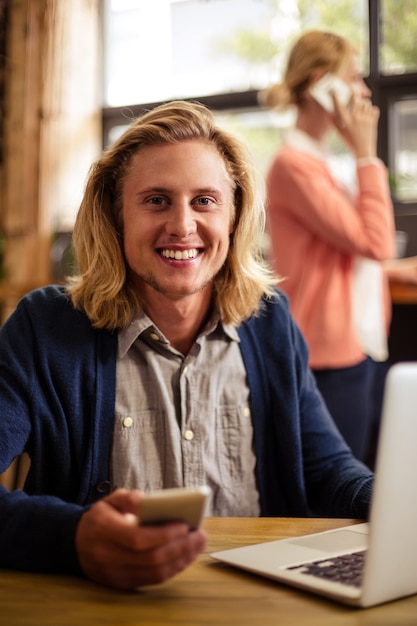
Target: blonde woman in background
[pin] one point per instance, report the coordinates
(330, 241)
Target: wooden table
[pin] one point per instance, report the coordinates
(403, 293)
(402, 340)
(207, 593)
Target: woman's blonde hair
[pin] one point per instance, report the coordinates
(315, 51)
(102, 287)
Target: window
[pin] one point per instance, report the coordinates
(398, 54)
(168, 49)
(403, 128)
(222, 52)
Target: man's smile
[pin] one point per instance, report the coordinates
(179, 255)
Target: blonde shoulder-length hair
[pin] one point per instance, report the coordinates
(102, 288)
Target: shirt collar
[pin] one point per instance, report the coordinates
(127, 336)
(298, 139)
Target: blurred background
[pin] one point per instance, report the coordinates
(73, 74)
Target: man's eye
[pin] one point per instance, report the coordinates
(204, 201)
(156, 200)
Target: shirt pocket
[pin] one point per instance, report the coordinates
(138, 449)
(234, 436)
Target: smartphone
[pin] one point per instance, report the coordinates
(323, 88)
(185, 504)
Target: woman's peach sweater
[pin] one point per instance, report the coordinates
(316, 232)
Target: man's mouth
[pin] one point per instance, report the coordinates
(180, 255)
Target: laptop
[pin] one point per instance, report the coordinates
(380, 556)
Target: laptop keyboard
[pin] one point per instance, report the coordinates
(346, 568)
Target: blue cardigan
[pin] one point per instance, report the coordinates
(57, 402)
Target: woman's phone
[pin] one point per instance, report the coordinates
(326, 85)
(185, 504)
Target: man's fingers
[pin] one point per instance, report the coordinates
(117, 566)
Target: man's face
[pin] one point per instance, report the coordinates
(177, 208)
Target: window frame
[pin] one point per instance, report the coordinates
(386, 90)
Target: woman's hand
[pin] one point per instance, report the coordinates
(357, 124)
(402, 270)
(114, 550)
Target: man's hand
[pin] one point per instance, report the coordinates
(114, 550)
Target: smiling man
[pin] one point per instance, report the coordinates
(170, 360)
(178, 200)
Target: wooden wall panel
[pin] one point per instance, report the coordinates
(50, 121)
(51, 131)
(22, 107)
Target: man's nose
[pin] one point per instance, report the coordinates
(181, 221)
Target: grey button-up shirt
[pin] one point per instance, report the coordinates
(185, 420)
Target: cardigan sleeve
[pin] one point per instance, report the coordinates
(304, 466)
(37, 533)
(337, 484)
(52, 408)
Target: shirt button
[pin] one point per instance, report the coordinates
(103, 486)
(127, 422)
(246, 411)
(188, 435)
(154, 336)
